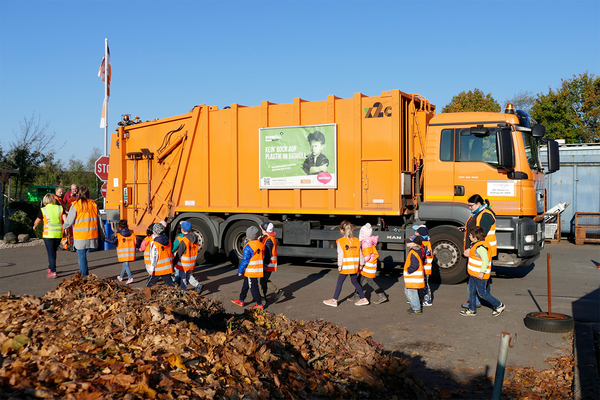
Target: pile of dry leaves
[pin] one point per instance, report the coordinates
(528, 383)
(93, 339)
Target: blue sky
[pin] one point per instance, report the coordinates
(168, 56)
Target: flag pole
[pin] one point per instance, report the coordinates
(106, 71)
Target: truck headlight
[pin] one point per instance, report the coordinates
(529, 238)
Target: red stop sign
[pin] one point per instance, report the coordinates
(102, 168)
(103, 189)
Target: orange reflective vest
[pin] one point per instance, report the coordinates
(125, 248)
(164, 263)
(85, 226)
(370, 268)
(187, 261)
(148, 240)
(254, 269)
(416, 280)
(272, 265)
(351, 255)
(474, 264)
(428, 258)
(491, 235)
(52, 225)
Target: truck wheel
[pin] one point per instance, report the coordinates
(449, 266)
(235, 239)
(206, 242)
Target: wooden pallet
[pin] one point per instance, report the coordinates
(587, 227)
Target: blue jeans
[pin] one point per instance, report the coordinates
(478, 287)
(83, 264)
(126, 269)
(412, 295)
(51, 247)
(185, 277)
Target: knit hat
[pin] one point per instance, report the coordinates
(158, 229)
(365, 232)
(252, 233)
(416, 240)
(421, 230)
(186, 226)
(267, 226)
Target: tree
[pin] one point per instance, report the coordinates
(522, 101)
(50, 172)
(572, 112)
(472, 101)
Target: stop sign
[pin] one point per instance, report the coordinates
(102, 168)
(103, 189)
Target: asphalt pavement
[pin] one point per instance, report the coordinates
(447, 349)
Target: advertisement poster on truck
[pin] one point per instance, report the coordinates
(298, 157)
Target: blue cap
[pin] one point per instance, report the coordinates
(186, 226)
(421, 230)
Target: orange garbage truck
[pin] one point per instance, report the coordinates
(388, 160)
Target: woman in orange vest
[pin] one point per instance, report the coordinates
(126, 243)
(161, 258)
(187, 252)
(414, 274)
(87, 227)
(252, 268)
(349, 260)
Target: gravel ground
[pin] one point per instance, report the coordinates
(31, 242)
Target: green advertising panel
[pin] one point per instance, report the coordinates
(298, 157)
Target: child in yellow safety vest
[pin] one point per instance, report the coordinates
(187, 251)
(349, 260)
(251, 267)
(427, 256)
(413, 274)
(479, 268)
(125, 241)
(368, 271)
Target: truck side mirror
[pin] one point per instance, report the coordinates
(553, 156)
(538, 131)
(504, 149)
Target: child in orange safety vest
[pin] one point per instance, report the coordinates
(413, 274)
(187, 252)
(125, 241)
(251, 267)
(368, 271)
(349, 260)
(160, 262)
(269, 261)
(427, 256)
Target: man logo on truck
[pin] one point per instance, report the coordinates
(376, 111)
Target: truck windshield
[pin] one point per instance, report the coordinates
(482, 149)
(532, 151)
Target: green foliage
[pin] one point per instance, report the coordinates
(31, 208)
(572, 112)
(474, 100)
(20, 223)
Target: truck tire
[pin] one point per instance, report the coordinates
(206, 242)
(449, 265)
(235, 239)
(553, 323)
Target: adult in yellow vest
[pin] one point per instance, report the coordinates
(52, 216)
(87, 227)
(269, 261)
(187, 252)
(161, 257)
(251, 267)
(483, 216)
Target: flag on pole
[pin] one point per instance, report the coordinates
(105, 74)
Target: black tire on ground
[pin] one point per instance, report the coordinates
(206, 242)
(553, 323)
(449, 265)
(235, 239)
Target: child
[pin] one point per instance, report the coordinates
(269, 260)
(421, 230)
(144, 246)
(413, 274)
(125, 241)
(160, 257)
(479, 269)
(187, 251)
(368, 246)
(252, 268)
(316, 161)
(349, 259)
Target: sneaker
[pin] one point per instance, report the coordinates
(332, 302)
(415, 312)
(468, 313)
(498, 310)
(466, 305)
(427, 304)
(278, 296)
(238, 302)
(362, 302)
(130, 280)
(51, 275)
(119, 278)
(381, 298)
(257, 307)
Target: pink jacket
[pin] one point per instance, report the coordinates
(368, 242)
